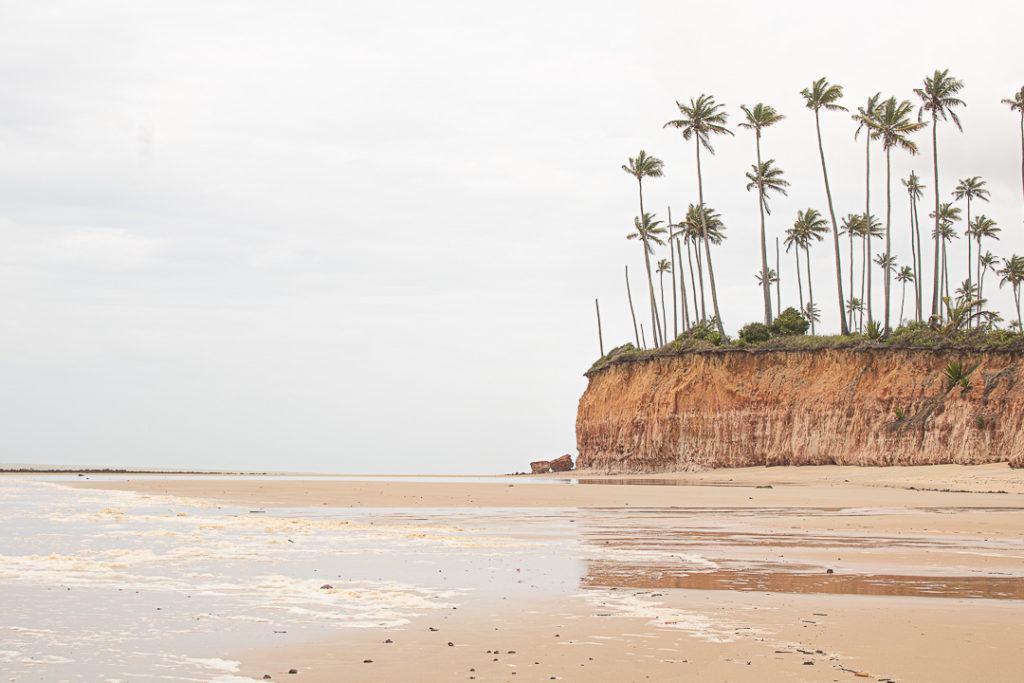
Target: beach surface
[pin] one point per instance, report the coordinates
(782, 574)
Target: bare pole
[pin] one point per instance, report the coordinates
(631, 311)
(600, 337)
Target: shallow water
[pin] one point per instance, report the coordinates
(106, 585)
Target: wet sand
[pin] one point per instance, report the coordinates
(830, 574)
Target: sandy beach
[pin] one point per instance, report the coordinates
(788, 574)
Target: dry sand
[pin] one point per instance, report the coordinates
(927, 585)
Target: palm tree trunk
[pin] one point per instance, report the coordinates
(810, 289)
(707, 244)
(920, 264)
(600, 337)
(682, 287)
(935, 166)
(778, 279)
(647, 264)
(1016, 298)
(675, 303)
(799, 282)
(1022, 150)
(765, 284)
(867, 214)
(903, 300)
(865, 273)
(664, 317)
(835, 231)
(693, 284)
(888, 241)
(913, 258)
(631, 311)
(850, 312)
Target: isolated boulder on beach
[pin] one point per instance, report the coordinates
(562, 464)
(540, 466)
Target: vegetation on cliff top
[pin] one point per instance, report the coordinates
(788, 336)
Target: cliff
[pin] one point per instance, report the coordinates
(738, 408)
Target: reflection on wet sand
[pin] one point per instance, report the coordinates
(608, 574)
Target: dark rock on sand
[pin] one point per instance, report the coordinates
(540, 466)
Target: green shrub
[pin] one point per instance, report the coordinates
(874, 330)
(754, 333)
(790, 322)
(702, 331)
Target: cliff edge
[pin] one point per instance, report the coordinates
(739, 408)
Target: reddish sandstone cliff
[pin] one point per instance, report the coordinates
(738, 408)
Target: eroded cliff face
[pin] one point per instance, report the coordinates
(741, 408)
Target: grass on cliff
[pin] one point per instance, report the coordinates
(704, 338)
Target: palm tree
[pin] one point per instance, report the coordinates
(865, 117)
(1013, 272)
(938, 96)
(647, 231)
(795, 241)
(1017, 104)
(697, 225)
(856, 306)
(663, 267)
(701, 119)
(810, 227)
(820, 95)
(852, 228)
(646, 166)
(870, 228)
(982, 226)
(988, 261)
(892, 125)
(905, 275)
(773, 277)
(915, 190)
(766, 178)
(778, 280)
(946, 216)
(762, 116)
(970, 188)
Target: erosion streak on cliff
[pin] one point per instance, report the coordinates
(738, 409)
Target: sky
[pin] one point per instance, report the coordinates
(367, 237)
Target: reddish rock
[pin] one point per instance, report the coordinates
(540, 466)
(562, 464)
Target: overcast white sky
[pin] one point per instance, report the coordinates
(366, 236)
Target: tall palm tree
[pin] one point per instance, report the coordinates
(778, 280)
(1017, 104)
(698, 225)
(892, 125)
(970, 188)
(663, 267)
(672, 271)
(905, 275)
(946, 216)
(810, 226)
(865, 117)
(851, 227)
(915, 190)
(982, 227)
(938, 96)
(646, 166)
(795, 241)
(870, 228)
(701, 119)
(766, 178)
(649, 232)
(762, 116)
(988, 262)
(1013, 272)
(824, 95)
